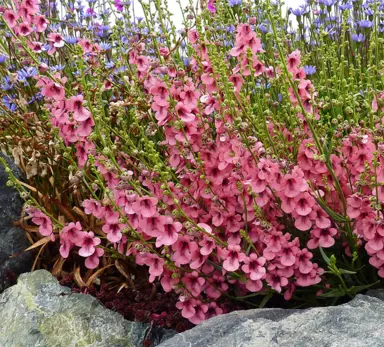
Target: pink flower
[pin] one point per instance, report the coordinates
(213, 310)
(80, 113)
(254, 266)
(183, 248)
(56, 39)
(287, 255)
(170, 233)
(211, 6)
(305, 265)
(28, 8)
(200, 310)
(11, 18)
(167, 282)
(154, 226)
(254, 286)
(155, 263)
(162, 115)
(198, 259)
(36, 47)
(355, 203)
(237, 81)
(276, 281)
(273, 242)
(233, 223)
(41, 23)
(113, 229)
(85, 45)
(289, 291)
(145, 206)
(65, 246)
(376, 243)
(207, 246)
(309, 279)
(160, 91)
(92, 262)
(293, 61)
(44, 223)
(85, 127)
(322, 221)
(287, 204)
(92, 206)
(294, 185)
(83, 148)
(192, 36)
(184, 112)
(194, 283)
(304, 203)
(233, 258)
(187, 306)
(322, 237)
(54, 91)
(24, 29)
(142, 63)
(88, 244)
(302, 223)
(73, 232)
(218, 282)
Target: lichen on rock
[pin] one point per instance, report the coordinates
(38, 311)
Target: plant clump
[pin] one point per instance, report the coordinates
(235, 163)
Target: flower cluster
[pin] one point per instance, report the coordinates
(220, 159)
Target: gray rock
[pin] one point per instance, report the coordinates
(359, 323)
(13, 241)
(39, 312)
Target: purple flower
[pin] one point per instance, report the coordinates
(27, 73)
(310, 69)
(9, 103)
(346, 6)
(263, 28)
(110, 65)
(234, 2)
(7, 84)
(105, 46)
(327, 2)
(230, 28)
(3, 58)
(369, 11)
(57, 68)
(303, 9)
(71, 40)
(365, 23)
(358, 37)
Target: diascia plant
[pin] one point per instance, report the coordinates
(236, 159)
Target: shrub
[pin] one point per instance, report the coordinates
(238, 159)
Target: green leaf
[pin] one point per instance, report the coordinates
(335, 216)
(334, 293)
(343, 271)
(357, 289)
(234, 275)
(266, 299)
(325, 257)
(264, 292)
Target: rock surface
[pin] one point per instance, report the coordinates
(359, 323)
(38, 311)
(13, 242)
